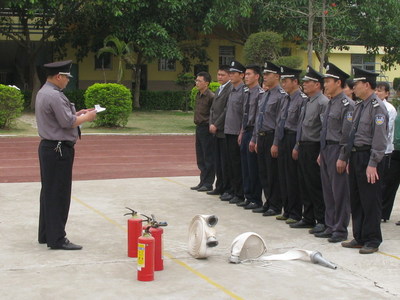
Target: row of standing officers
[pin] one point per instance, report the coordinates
(315, 155)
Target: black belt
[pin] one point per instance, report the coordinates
(361, 148)
(308, 143)
(264, 133)
(328, 142)
(54, 143)
(288, 131)
(249, 128)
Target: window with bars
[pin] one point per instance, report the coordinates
(226, 55)
(166, 64)
(363, 61)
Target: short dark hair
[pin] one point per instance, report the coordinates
(383, 84)
(205, 75)
(224, 68)
(350, 83)
(372, 82)
(342, 82)
(256, 69)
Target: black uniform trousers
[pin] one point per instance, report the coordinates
(336, 192)
(251, 181)
(365, 200)
(55, 195)
(288, 179)
(205, 155)
(310, 183)
(222, 183)
(390, 183)
(268, 171)
(234, 165)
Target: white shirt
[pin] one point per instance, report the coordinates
(392, 116)
(222, 87)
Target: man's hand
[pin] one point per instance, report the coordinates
(319, 160)
(341, 166)
(239, 140)
(274, 151)
(213, 129)
(372, 175)
(252, 146)
(295, 154)
(84, 111)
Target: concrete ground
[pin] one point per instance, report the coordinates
(102, 269)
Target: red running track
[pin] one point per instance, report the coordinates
(105, 157)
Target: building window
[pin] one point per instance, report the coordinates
(226, 55)
(103, 62)
(363, 61)
(166, 64)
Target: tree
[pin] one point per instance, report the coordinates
(262, 46)
(17, 20)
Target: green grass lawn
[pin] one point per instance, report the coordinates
(139, 122)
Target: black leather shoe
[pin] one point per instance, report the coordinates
(323, 234)
(252, 205)
(226, 196)
(336, 239)
(260, 210)
(398, 223)
(67, 245)
(270, 212)
(317, 228)
(368, 250)
(351, 244)
(204, 188)
(243, 203)
(214, 192)
(235, 200)
(195, 188)
(301, 224)
(42, 242)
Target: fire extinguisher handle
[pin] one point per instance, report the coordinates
(162, 224)
(133, 213)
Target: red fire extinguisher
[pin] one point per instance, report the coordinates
(156, 231)
(145, 261)
(134, 232)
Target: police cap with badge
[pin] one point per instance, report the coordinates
(364, 75)
(333, 71)
(237, 67)
(312, 75)
(287, 72)
(59, 67)
(270, 67)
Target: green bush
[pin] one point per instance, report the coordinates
(213, 87)
(396, 83)
(77, 97)
(395, 102)
(11, 105)
(117, 100)
(262, 46)
(162, 100)
(289, 61)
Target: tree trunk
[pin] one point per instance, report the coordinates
(310, 45)
(34, 82)
(136, 100)
(323, 37)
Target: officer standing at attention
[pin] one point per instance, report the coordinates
(204, 139)
(233, 125)
(366, 148)
(251, 181)
(287, 126)
(307, 151)
(267, 141)
(217, 123)
(58, 126)
(336, 127)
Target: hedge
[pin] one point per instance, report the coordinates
(11, 105)
(162, 100)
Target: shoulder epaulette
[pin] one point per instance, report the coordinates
(303, 95)
(246, 89)
(282, 91)
(345, 101)
(261, 91)
(359, 101)
(375, 103)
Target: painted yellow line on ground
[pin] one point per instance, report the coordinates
(173, 181)
(181, 263)
(390, 255)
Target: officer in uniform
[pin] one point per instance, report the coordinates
(287, 126)
(336, 127)
(307, 151)
(366, 148)
(251, 181)
(233, 125)
(267, 141)
(58, 126)
(217, 123)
